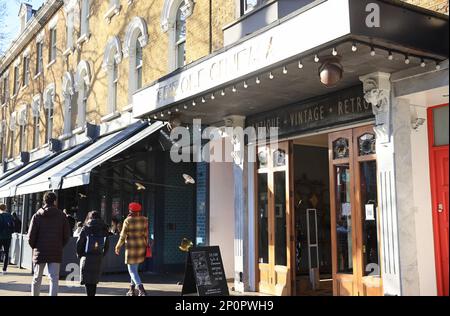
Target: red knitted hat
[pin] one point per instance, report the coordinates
(135, 207)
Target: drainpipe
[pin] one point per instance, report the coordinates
(210, 27)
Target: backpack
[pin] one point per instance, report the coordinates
(6, 226)
(95, 245)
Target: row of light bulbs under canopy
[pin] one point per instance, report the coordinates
(333, 65)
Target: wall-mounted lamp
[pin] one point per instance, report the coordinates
(417, 122)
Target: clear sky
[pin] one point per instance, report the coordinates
(12, 20)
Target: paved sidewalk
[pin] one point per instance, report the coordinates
(17, 282)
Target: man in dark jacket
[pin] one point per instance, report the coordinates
(49, 233)
(6, 231)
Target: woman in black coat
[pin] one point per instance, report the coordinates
(92, 245)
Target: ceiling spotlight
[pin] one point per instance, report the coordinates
(438, 66)
(223, 92)
(212, 96)
(155, 117)
(372, 52)
(391, 56)
(285, 71)
(407, 60)
(300, 64)
(270, 75)
(177, 110)
(194, 103)
(162, 114)
(169, 112)
(334, 52)
(423, 63)
(331, 72)
(203, 100)
(354, 47)
(257, 80)
(234, 89)
(316, 59)
(185, 106)
(245, 85)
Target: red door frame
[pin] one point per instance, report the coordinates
(434, 199)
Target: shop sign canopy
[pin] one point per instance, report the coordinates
(302, 33)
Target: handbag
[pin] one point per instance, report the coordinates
(148, 253)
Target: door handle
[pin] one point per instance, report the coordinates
(440, 208)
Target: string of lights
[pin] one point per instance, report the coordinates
(317, 57)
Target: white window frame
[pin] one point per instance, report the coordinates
(137, 34)
(36, 110)
(26, 71)
(83, 83)
(5, 88)
(52, 49)
(22, 122)
(111, 59)
(85, 13)
(49, 105)
(16, 83)
(12, 129)
(168, 24)
(68, 93)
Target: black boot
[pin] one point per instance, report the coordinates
(141, 290)
(132, 290)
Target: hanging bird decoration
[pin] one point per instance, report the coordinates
(82, 196)
(140, 186)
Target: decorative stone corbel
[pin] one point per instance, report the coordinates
(188, 8)
(377, 92)
(232, 122)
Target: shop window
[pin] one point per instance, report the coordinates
(279, 158)
(341, 148)
(263, 218)
(440, 125)
(262, 159)
(366, 144)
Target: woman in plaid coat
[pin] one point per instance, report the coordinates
(134, 236)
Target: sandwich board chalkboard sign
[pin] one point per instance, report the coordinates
(204, 274)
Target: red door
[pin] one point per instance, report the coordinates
(439, 161)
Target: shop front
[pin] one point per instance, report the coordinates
(105, 174)
(327, 208)
(316, 199)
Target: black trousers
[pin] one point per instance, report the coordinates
(91, 289)
(5, 244)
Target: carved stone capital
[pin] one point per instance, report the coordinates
(377, 92)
